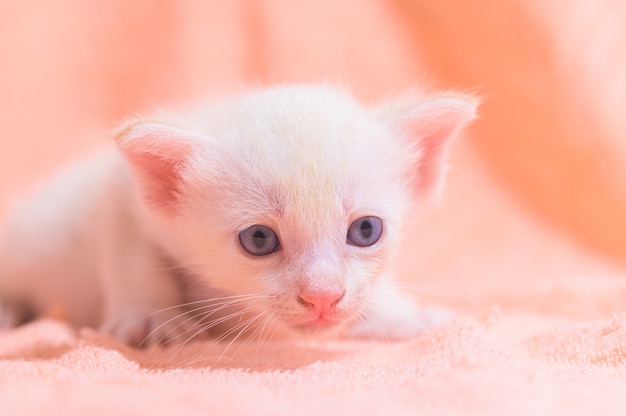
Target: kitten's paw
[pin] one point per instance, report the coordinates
(398, 325)
(393, 317)
(144, 327)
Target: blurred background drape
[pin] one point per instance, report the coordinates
(538, 188)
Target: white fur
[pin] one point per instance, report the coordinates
(123, 242)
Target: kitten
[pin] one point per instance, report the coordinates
(275, 213)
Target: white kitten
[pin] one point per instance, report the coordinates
(276, 213)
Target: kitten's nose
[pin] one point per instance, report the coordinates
(321, 301)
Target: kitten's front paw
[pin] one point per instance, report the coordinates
(145, 327)
(390, 315)
(397, 325)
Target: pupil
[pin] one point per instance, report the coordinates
(258, 239)
(366, 229)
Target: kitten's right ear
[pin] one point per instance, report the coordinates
(432, 126)
(158, 155)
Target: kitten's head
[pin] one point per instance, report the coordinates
(296, 194)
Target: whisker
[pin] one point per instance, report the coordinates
(241, 332)
(205, 349)
(208, 304)
(220, 320)
(245, 325)
(202, 327)
(241, 328)
(366, 316)
(214, 304)
(266, 335)
(263, 336)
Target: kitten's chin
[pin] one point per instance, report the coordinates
(319, 328)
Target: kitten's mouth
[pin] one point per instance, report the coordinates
(319, 323)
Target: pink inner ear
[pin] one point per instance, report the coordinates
(159, 178)
(433, 126)
(157, 154)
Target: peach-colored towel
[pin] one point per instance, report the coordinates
(527, 247)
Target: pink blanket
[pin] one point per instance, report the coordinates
(527, 247)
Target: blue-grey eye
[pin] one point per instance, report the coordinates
(259, 240)
(365, 231)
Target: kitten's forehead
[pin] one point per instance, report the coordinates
(309, 118)
(306, 132)
(310, 157)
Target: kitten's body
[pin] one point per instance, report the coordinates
(121, 242)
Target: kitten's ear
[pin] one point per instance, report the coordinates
(432, 126)
(158, 154)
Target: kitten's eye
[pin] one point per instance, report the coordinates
(259, 240)
(365, 231)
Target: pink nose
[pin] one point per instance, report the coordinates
(320, 301)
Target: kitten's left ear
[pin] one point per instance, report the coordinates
(432, 126)
(158, 154)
